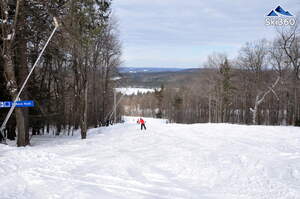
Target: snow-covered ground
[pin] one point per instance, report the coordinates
(134, 91)
(200, 161)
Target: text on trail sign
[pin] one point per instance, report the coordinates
(8, 104)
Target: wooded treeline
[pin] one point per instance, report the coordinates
(72, 87)
(260, 86)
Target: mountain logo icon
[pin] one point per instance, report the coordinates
(279, 10)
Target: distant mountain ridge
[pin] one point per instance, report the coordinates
(155, 77)
(149, 69)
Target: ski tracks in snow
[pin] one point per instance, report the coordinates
(167, 161)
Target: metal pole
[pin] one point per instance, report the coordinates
(115, 105)
(112, 111)
(25, 82)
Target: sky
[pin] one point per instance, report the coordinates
(182, 33)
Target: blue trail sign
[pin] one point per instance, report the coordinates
(19, 104)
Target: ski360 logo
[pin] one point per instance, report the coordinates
(280, 17)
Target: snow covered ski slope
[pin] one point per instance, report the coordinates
(200, 161)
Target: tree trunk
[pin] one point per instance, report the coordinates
(254, 111)
(9, 70)
(85, 109)
(22, 72)
(23, 137)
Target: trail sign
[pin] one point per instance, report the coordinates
(19, 104)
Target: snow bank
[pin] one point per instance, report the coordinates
(167, 161)
(134, 91)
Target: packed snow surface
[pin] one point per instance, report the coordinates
(200, 161)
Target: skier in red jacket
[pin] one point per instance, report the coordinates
(142, 122)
